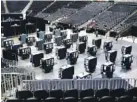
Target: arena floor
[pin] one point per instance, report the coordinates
(79, 67)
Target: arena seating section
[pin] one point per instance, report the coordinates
(114, 15)
(78, 4)
(74, 95)
(56, 5)
(13, 8)
(126, 24)
(11, 77)
(37, 7)
(48, 12)
(132, 19)
(107, 15)
(63, 12)
(2, 7)
(86, 13)
(62, 9)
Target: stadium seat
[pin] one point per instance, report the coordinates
(125, 99)
(32, 100)
(89, 99)
(107, 99)
(56, 93)
(71, 93)
(102, 92)
(69, 99)
(13, 100)
(41, 94)
(117, 92)
(135, 99)
(52, 99)
(25, 94)
(132, 92)
(86, 93)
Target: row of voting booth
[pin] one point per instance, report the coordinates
(44, 42)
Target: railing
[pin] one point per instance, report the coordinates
(11, 79)
(78, 84)
(9, 62)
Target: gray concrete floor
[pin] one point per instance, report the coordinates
(79, 67)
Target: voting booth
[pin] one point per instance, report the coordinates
(111, 55)
(24, 52)
(30, 41)
(90, 64)
(92, 50)
(8, 43)
(39, 44)
(66, 72)
(22, 38)
(126, 49)
(48, 47)
(58, 40)
(57, 32)
(35, 58)
(72, 56)
(61, 52)
(41, 35)
(16, 46)
(126, 62)
(107, 45)
(47, 64)
(74, 37)
(83, 38)
(97, 42)
(81, 47)
(48, 37)
(63, 34)
(67, 43)
(107, 70)
(9, 54)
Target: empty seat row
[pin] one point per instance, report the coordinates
(127, 24)
(16, 6)
(55, 6)
(86, 13)
(86, 99)
(37, 6)
(59, 94)
(114, 15)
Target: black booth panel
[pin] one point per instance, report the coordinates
(62, 53)
(90, 30)
(113, 34)
(10, 55)
(36, 59)
(38, 22)
(134, 31)
(92, 63)
(97, 42)
(101, 32)
(68, 73)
